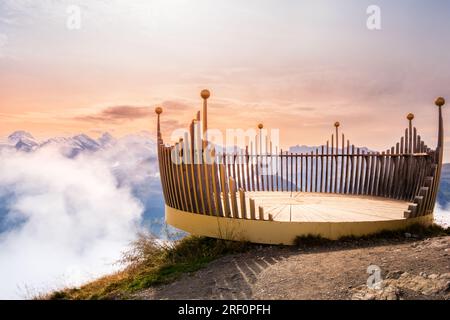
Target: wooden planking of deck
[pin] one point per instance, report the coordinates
(318, 207)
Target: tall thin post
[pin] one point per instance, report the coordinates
(440, 145)
(260, 127)
(336, 125)
(205, 94)
(410, 118)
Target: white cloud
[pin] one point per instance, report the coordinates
(70, 220)
(442, 216)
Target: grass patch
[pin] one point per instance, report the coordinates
(416, 231)
(151, 262)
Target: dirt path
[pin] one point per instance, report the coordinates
(409, 269)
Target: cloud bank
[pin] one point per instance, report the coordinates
(118, 113)
(62, 221)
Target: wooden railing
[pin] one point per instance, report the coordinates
(408, 171)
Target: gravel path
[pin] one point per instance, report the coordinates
(410, 269)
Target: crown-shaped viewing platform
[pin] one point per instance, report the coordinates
(261, 194)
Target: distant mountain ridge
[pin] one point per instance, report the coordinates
(69, 146)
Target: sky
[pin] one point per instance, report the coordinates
(294, 65)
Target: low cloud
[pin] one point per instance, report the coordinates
(119, 113)
(62, 221)
(442, 216)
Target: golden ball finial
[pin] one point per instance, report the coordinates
(439, 102)
(158, 110)
(205, 94)
(337, 124)
(260, 126)
(410, 116)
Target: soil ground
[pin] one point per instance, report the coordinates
(410, 269)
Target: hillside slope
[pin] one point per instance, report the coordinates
(412, 269)
(413, 264)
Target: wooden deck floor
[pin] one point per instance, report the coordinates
(321, 207)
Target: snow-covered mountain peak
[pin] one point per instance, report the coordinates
(23, 140)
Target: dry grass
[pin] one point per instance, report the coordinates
(151, 262)
(416, 231)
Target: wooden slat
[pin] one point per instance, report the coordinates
(266, 166)
(242, 164)
(296, 172)
(234, 165)
(257, 172)
(233, 198)
(332, 185)
(192, 183)
(199, 167)
(185, 171)
(166, 164)
(228, 162)
(242, 203)
(162, 173)
(352, 184)
(238, 165)
(370, 175)
(423, 197)
(180, 179)
(326, 167)
(336, 181)
(376, 174)
(415, 149)
(362, 172)
(321, 168)
(341, 181)
(387, 165)
(301, 172)
(316, 171)
(307, 173)
(346, 176)
(428, 183)
(277, 165)
(174, 180)
(281, 170)
(287, 171)
(292, 172)
(225, 191)
(395, 175)
(176, 177)
(261, 213)
(252, 209)
(215, 186)
(390, 175)
(410, 137)
(207, 168)
(171, 178)
(271, 168)
(247, 169)
(381, 174)
(407, 150)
